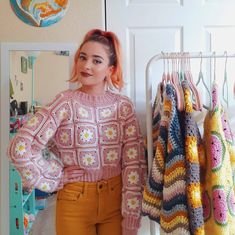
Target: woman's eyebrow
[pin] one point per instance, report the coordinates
(98, 56)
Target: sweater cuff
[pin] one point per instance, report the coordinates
(126, 231)
(131, 223)
(61, 183)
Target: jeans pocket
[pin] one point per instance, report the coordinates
(68, 195)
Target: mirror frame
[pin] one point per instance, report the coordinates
(6, 48)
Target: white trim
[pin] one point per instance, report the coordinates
(4, 114)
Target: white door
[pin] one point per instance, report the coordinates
(147, 27)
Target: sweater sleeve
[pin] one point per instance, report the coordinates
(25, 149)
(134, 169)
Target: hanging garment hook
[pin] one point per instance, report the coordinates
(168, 68)
(225, 82)
(201, 78)
(164, 71)
(201, 62)
(164, 61)
(214, 55)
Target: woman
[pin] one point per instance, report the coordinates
(99, 167)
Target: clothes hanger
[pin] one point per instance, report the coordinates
(225, 83)
(201, 78)
(161, 85)
(164, 76)
(188, 76)
(176, 83)
(214, 54)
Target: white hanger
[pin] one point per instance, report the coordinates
(225, 83)
(201, 78)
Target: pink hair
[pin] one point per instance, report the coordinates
(110, 40)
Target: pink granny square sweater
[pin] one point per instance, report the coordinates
(99, 133)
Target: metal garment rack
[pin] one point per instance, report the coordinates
(156, 58)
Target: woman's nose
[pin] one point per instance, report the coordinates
(87, 65)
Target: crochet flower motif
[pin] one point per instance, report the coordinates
(188, 103)
(49, 133)
(132, 153)
(191, 149)
(64, 137)
(194, 193)
(63, 114)
(20, 148)
(110, 133)
(199, 230)
(112, 155)
(133, 203)
(44, 186)
(27, 174)
(125, 110)
(86, 135)
(167, 105)
(54, 167)
(106, 113)
(88, 159)
(67, 159)
(130, 130)
(133, 177)
(83, 112)
(33, 121)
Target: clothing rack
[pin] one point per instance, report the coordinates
(156, 58)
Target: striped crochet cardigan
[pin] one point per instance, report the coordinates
(164, 197)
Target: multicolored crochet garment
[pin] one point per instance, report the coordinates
(218, 197)
(164, 197)
(195, 156)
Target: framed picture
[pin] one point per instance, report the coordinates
(23, 64)
(30, 62)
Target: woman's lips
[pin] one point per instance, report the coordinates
(84, 74)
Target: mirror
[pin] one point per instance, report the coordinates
(31, 75)
(36, 77)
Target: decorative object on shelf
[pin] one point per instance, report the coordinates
(23, 64)
(32, 56)
(40, 13)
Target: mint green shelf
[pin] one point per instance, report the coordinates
(19, 203)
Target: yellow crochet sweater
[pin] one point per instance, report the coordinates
(218, 195)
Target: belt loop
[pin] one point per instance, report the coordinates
(84, 188)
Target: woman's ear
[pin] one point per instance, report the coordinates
(110, 70)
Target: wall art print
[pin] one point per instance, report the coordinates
(40, 13)
(23, 64)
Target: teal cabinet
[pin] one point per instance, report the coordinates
(20, 205)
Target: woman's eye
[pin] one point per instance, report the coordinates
(97, 62)
(82, 57)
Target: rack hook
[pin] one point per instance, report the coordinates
(164, 64)
(214, 55)
(200, 61)
(225, 82)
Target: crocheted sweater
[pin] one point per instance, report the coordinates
(164, 197)
(218, 197)
(195, 162)
(98, 133)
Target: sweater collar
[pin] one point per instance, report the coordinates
(96, 100)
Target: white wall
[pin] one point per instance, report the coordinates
(51, 75)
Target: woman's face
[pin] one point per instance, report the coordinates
(93, 65)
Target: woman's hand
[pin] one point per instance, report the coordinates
(73, 174)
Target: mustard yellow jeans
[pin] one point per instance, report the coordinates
(86, 208)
